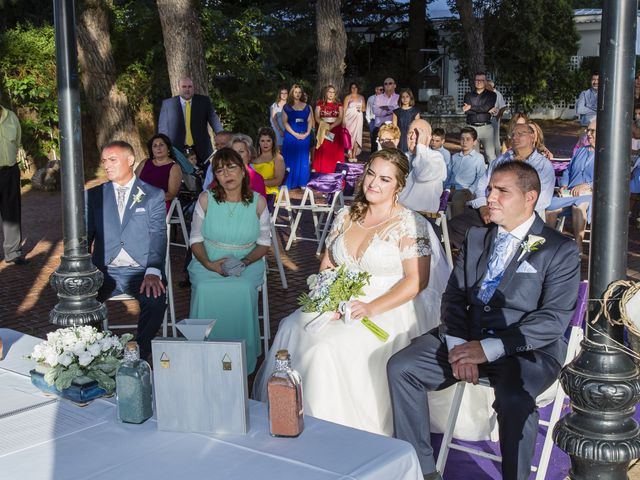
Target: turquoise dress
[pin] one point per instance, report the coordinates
(229, 229)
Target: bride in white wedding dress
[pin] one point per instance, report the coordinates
(343, 367)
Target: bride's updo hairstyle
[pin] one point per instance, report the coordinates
(399, 160)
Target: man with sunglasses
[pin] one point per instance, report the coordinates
(480, 105)
(383, 107)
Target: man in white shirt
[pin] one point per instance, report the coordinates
(383, 107)
(508, 303)
(368, 114)
(127, 235)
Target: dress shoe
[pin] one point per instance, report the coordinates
(432, 476)
(18, 261)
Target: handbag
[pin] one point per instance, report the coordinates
(346, 139)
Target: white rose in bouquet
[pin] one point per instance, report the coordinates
(65, 359)
(85, 358)
(78, 348)
(94, 349)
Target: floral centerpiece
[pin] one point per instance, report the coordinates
(330, 293)
(72, 353)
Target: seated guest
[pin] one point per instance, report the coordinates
(160, 168)
(437, 144)
(127, 235)
(388, 136)
(575, 187)
(516, 119)
(539, 141)
(221, 140)
(504, 314)
(243, 145)
(428, 171)
(229, 236)
(269, 163)
(464, 171)
(523, 149)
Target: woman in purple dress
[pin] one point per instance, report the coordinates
(161, 169)
(297, 119)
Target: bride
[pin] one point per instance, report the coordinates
(343, 367)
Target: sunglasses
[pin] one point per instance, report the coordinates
(388, 83)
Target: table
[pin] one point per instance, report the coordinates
(59, 440)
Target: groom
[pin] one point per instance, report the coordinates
(126, 226)
(504, 313)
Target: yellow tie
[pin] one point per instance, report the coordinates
(188, 137)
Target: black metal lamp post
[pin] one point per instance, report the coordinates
(76, 280)
(600, 434)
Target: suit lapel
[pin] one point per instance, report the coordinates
(179, 112)
(109, 206)
(487, 248)
(536, 229)
(128, 209)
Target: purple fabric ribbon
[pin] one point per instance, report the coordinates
(444, 199)
(353, 172)
(326, 182)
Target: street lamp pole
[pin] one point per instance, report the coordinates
(600, 434)
(369, 38)
(76, 280)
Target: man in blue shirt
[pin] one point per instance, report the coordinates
(587, 105)
(464, 171)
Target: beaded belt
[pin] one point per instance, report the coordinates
(228, 246)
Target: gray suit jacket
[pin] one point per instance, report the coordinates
(528, 311)
(142, 233)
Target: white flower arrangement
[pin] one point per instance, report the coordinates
(137, 198)
(80, 351)
(531, 244)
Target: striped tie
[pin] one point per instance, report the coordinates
(188, 140)
(496, 267)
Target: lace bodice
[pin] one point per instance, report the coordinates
(405, 236)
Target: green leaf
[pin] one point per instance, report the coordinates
(52, 374)
(104, 380)
(64, 379)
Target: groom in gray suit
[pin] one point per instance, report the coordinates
(127, 231)
(508, 303)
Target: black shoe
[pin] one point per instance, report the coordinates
(18, 261)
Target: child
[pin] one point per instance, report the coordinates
(463, 171)
(437, 144)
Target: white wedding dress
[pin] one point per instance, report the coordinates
(343, 367)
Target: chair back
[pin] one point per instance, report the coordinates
(560, 165)
(326, 182)
(352, 173)
(444, 200)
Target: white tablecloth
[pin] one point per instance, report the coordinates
(61, 441)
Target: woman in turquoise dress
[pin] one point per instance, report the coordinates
(297, 119)
(229, 236)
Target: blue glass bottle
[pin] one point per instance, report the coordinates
(134, 397)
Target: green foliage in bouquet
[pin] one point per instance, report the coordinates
(330, 287)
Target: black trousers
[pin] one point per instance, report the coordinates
(459, 225)
(10, 211)
(517, 380)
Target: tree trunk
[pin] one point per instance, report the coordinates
(472, 27)
(332, 45)
(183, 44)
(109, 107)
(417, 9)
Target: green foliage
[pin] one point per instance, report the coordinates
(27, 63)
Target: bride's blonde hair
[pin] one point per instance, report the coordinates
(399, 160)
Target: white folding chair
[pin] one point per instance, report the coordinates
(330, 185)
(441, 220)
(575, 337)
(176, 217)
(275, 245)
(283, 200)
(266, 328)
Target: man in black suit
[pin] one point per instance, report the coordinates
(508, 303)
(127, 233)
(184, 119)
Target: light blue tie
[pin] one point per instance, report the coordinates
(496, 267)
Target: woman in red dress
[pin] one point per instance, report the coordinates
(329, 139)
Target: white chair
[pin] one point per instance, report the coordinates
(575, 337)
(441, 220)
(266, 327)
(330, 185)
(275, 244)
(283, 200)
(176, 217)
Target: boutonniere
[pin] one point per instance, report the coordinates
(137, 198)
(531, 244)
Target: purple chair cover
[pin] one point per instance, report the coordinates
(352, 173)
(581, 304)
(326, 182)
(444, 199)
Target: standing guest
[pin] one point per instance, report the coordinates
(438, 137)
(428, 171)
(297, 119)
(230, 228)
(127, 235)
(184, 119)
(243, 145)
(406, 113)
(504, 314)
(480, 105)
(329, 147)
(353, 107)
(464, 172)
(496, 117)
(587, 105)
(275, 115)
(160, 168)
(523, 150)
(369, 115)
(269, 163)
(383, 106)
(516, 119)
(10, 208)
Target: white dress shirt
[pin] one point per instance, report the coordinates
(493, 347)
(123, 259)
(424, 184)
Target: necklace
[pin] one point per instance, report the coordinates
(231, 211)
(361, 223)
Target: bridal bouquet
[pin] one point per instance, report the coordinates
(330, 293)
(74, 352)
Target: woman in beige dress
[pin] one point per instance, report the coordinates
(354, 106)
